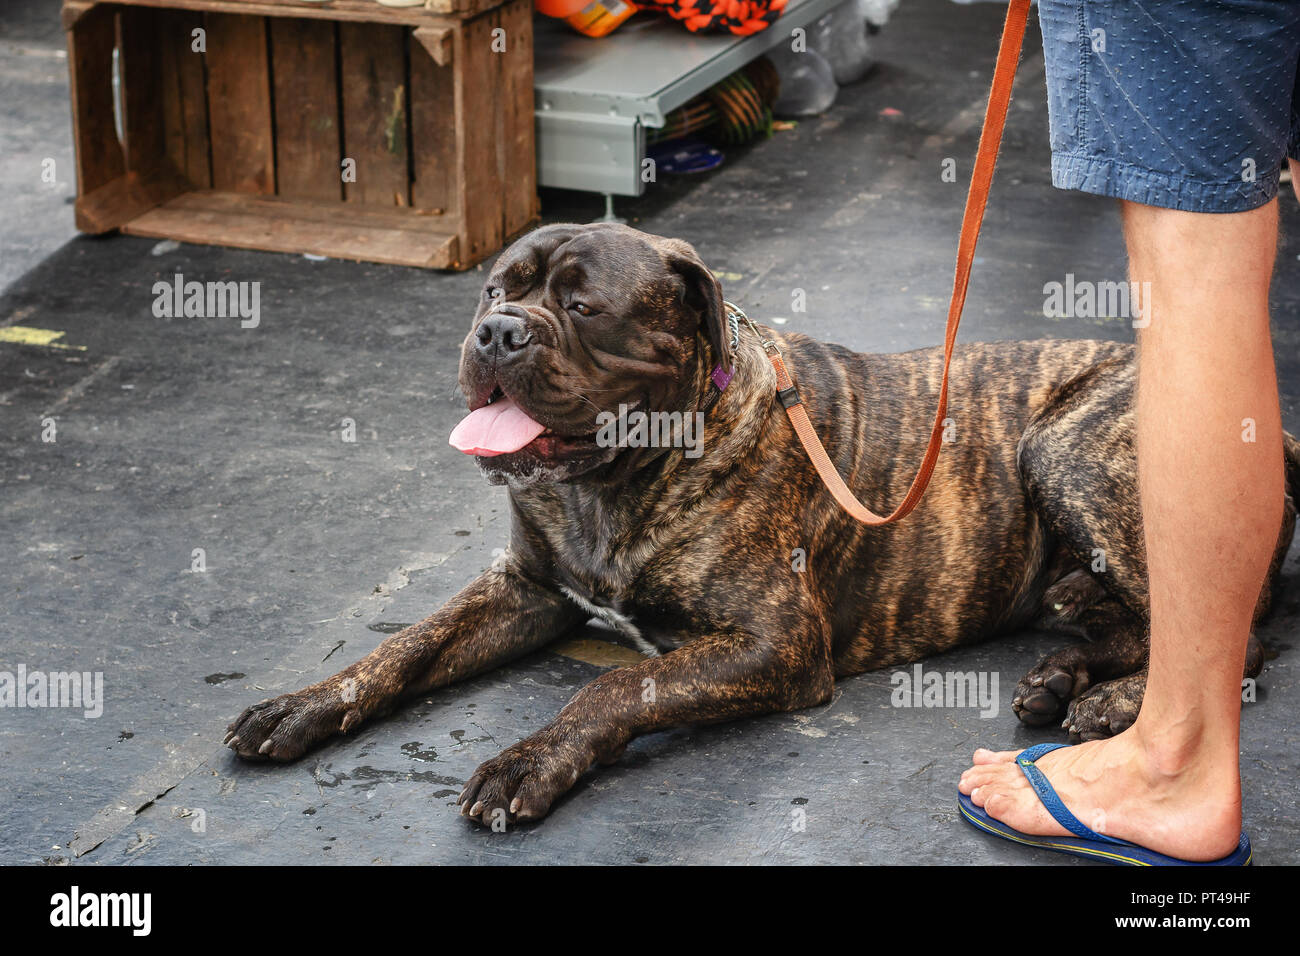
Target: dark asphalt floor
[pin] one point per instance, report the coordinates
(183, 434)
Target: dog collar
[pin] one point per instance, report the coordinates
(720, 378)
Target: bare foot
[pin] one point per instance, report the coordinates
(1186, 806)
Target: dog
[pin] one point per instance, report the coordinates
(748, 588)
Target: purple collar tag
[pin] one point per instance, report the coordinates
(720, 378)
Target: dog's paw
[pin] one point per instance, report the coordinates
(1106, 709)
(286, 727)
(1071, 596)
(520, 783)
(1042, 694)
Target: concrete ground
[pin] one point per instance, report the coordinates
(38, 179)
(184, 434)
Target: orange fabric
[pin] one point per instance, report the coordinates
(741, 17)
(986, 158)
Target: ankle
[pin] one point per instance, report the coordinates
(1185, 749)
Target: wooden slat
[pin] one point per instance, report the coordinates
(239, 104)
(518, 151)
(477, 105)
(151, 179)
(308, 210)
(356, 11)
(140, 73)
(306, 109)
(115, 204)
(91, 40)
(183, 95)
(373, 63)
(436, 180)
(244, 222)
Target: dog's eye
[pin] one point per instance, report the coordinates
(582, 308)
(494, 292)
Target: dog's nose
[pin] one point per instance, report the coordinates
(504, 329)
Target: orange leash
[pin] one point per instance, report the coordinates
(1013, 34)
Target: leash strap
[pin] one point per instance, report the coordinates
(1004, 74)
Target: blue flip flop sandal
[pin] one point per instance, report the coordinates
(1085, 842)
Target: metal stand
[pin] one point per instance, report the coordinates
(609, 212)
(595, 98)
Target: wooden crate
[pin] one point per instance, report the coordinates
(244, 144)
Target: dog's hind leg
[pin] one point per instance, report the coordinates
(1078, 465)
(1117, 647)
(1110, 706)
(1098, 686)
(1065, 601)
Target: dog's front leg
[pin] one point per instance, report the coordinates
(499, 616)
(714, 678)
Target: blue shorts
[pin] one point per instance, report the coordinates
(1185, 104)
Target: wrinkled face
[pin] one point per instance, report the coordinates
(576, 320)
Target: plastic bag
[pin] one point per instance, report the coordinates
(807, 82)
(841, 38)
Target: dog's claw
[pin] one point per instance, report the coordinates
(292, 723)
(1060, 684)
(1107, 709)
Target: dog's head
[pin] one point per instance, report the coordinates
(576, 320)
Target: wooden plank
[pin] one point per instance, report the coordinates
(307, 210)
(243, 226)
(183, 95)
(477, 103)
(306, 109)
(518, 151)
(139, 69)
(100, 157)
(116, 203)
(356, 11)
(373, 66)
(436, 176)
(239, 104)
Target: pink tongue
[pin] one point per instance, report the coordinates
(495, 429)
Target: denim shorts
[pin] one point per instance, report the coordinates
(1184, 104)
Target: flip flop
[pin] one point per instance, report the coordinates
(1085, 842)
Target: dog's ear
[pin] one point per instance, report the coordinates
(703, 292)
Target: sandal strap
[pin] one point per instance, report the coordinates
(1049, 798)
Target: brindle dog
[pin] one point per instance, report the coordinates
(692, 557)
